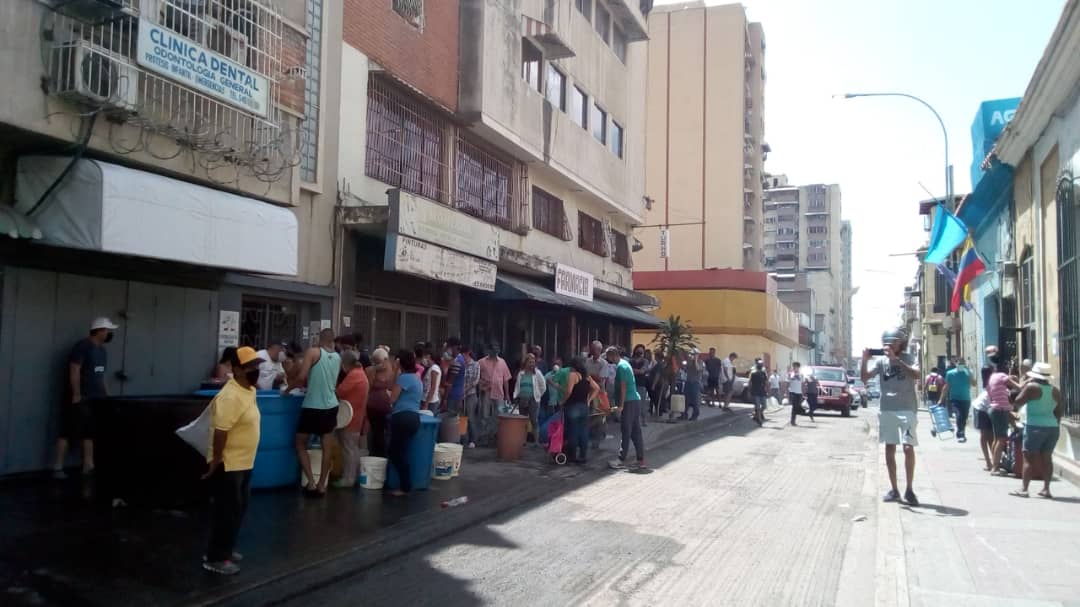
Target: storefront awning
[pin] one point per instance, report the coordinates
(511, 288)
(989, 198)
(106, 207)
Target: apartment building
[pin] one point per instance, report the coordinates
(848, 290)
(164, 163)
(706, 139)
(805, 252)
(494, 171)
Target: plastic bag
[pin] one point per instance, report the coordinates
(772, 403)
(197, 433)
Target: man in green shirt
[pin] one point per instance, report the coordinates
(629, 403)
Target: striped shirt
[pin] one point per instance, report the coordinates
(998, 390)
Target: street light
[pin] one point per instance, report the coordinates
(948, 170)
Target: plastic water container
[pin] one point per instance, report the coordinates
(443, 462)
(449, 431)
(420, 452)
(372, 472)
(678, 403)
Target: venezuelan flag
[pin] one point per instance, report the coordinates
(971, 266)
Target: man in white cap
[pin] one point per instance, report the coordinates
(85, 382)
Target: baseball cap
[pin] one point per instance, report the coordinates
(247, 355)
(103, 322)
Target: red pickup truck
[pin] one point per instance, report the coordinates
(834, 393)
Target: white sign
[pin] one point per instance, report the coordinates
(346, 321)
(324, 324)
(404, 254)
(439, 224)
(665, 243)
(228, 328)
(184, 61)
(572, 282)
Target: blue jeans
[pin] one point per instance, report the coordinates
(693, 399)
(962, 408)
(577, 428)
(759, 405)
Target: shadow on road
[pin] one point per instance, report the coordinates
(938, 509)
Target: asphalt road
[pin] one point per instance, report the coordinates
(746, 516)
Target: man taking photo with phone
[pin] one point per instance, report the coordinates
(898, 373)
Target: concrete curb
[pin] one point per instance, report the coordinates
(289, 583)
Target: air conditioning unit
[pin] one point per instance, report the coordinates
(90, 73)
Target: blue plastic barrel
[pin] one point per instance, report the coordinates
(275, 459)
(421, 452)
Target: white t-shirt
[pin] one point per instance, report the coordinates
(729, 370)
(432, 375)
(268, 371)
(794, 383)
(774, 381)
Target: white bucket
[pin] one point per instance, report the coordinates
(678, 403)
(456, 450)
(442, 463)
(372, 472)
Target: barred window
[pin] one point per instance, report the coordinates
(309, 146)
(549, 215)
(404, 141)
(591, 234)
(488, 187)
(411, 10)
(621, 254)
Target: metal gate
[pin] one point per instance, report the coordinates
(1069, 291)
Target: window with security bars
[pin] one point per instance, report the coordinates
(549, 215)
(309, 146)
(621, 254)
(411, 10)
(405, 141)
(1027, 291)
(591, 234)
(489, 186)
(1069, 294)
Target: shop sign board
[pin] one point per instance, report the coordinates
(412, 256)
(178, 58)
(439, 224)
(228, 329)
(572, 282)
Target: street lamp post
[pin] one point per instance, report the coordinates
(948, 170)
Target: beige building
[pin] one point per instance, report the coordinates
(525, 177)
(805, 252)
(167, 165)
(705, 133)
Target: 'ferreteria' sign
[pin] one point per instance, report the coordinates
(184, 61)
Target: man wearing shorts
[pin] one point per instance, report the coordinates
(715, 368)
(795, 391)
(729, 378)
(898, 418)
(319, 413)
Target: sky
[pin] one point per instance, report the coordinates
(883, 151)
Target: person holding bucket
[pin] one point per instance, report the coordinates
(354, 390)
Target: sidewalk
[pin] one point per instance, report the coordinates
(58, 548)
(970, 542)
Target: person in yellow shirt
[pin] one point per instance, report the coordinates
(234, 440)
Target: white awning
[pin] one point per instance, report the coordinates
(114, 209)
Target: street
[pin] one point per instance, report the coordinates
(758, 517)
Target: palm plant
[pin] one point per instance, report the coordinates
(675, 338)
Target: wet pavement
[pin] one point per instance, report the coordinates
(60, 546)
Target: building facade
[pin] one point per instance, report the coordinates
(163, 164)
(706, 140)
(805, 252)
(497, 200)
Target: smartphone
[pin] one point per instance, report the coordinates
(877, 352)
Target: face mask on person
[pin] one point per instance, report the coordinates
(109, 336)
(281, 357)
(252, 375)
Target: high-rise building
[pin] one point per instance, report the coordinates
(847, 291)
(701, 253)
(705, 134)
(805, 252)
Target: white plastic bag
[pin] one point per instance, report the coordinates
(197, 433)
(772, 403)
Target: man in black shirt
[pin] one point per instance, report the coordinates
(85, 382)
(759, 390)
(715, 367)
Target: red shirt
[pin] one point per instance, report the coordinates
(354, 388)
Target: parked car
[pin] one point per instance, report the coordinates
(834, 394)
(861, 391)
(873, 391)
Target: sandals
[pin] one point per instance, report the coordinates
(1045, 494)
(1018, 493)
